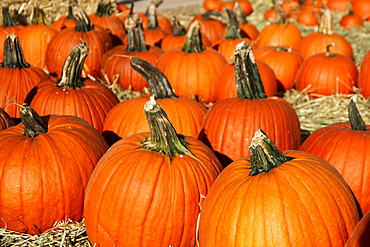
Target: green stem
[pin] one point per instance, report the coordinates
(33, 124)
(178, 29)
(247, 77)
(105, 8)
(355, 119)
(135, 34)
(7, 18)
(39, 17)
(152, 16)
(264, 154)
(157, 81)
(73, 66)
(193, 41)
(13, 53)
(83, 23)
(156, 3)
(232, 26)
(164, 138)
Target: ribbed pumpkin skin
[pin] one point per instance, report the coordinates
(63, 43)
(346, 150)
(227, 46)
(361, 234)
(192, 74)
(225, 81)
(317, 42)
(230, 124)
(127, 118)
(284, 63)
(117, 62)
(136, 197)
(327, 75)
(43, 179)
(91, 102)
(112, 25)
(286, 34)
(15, 84)
(35, 41)
(302, 202)
(364, 75)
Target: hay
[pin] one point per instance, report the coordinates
(63, 234)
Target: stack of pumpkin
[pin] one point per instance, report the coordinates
(209, 154)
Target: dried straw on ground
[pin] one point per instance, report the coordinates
(313, 113)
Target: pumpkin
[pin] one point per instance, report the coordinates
(65, 21)
(317, 42)
(363, 76)
(326, 74)
(17, 77)
(284, 61)
(247, 29)
(361, 8)
(226, 45)
(343, 144)
(35, 39)
(63, 43)
(280, 32)
(308, 18)
(157, 181)
(360, 236)
(277, 198)
(127, 118)
(338, 5)
(45, 165)
(351, 20)
(192, 70)
(162, 21)
(177, 38)
(105, 18)
(115, 65)
(225, 81)
(229, 124)
(72, 95)
(8, 27)
(211, 25)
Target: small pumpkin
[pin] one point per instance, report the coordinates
(157, 181)
(65, 21)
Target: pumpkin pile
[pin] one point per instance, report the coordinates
(234, 123)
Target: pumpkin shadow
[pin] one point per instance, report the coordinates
(110, 137)
(223, 158)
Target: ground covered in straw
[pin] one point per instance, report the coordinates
(313, 113)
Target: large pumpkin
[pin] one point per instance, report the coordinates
(273, 198)
(127, 117)
(148, 189)
(230, 123)
(45, 164)
(72, 95)
(344, 145)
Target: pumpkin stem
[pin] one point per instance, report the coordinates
(283, 48)
(156, 3)
(83, 23)
(73, 66)
(326, 22)
(164, 138)
(279, 12)
(328, 52)
(105, 8)
(33, 124)
(39, 17)
(157, 81)
(232, 26)
(193, 40)
(135, 34)
(152, 16)
(264, 154)
(13, 53)
(5, 119)
(7, 18)
(355, 119)
(240, 15)
(214, 15)
(178, 29)
(247, 78)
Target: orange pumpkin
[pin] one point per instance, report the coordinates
(277, 198)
